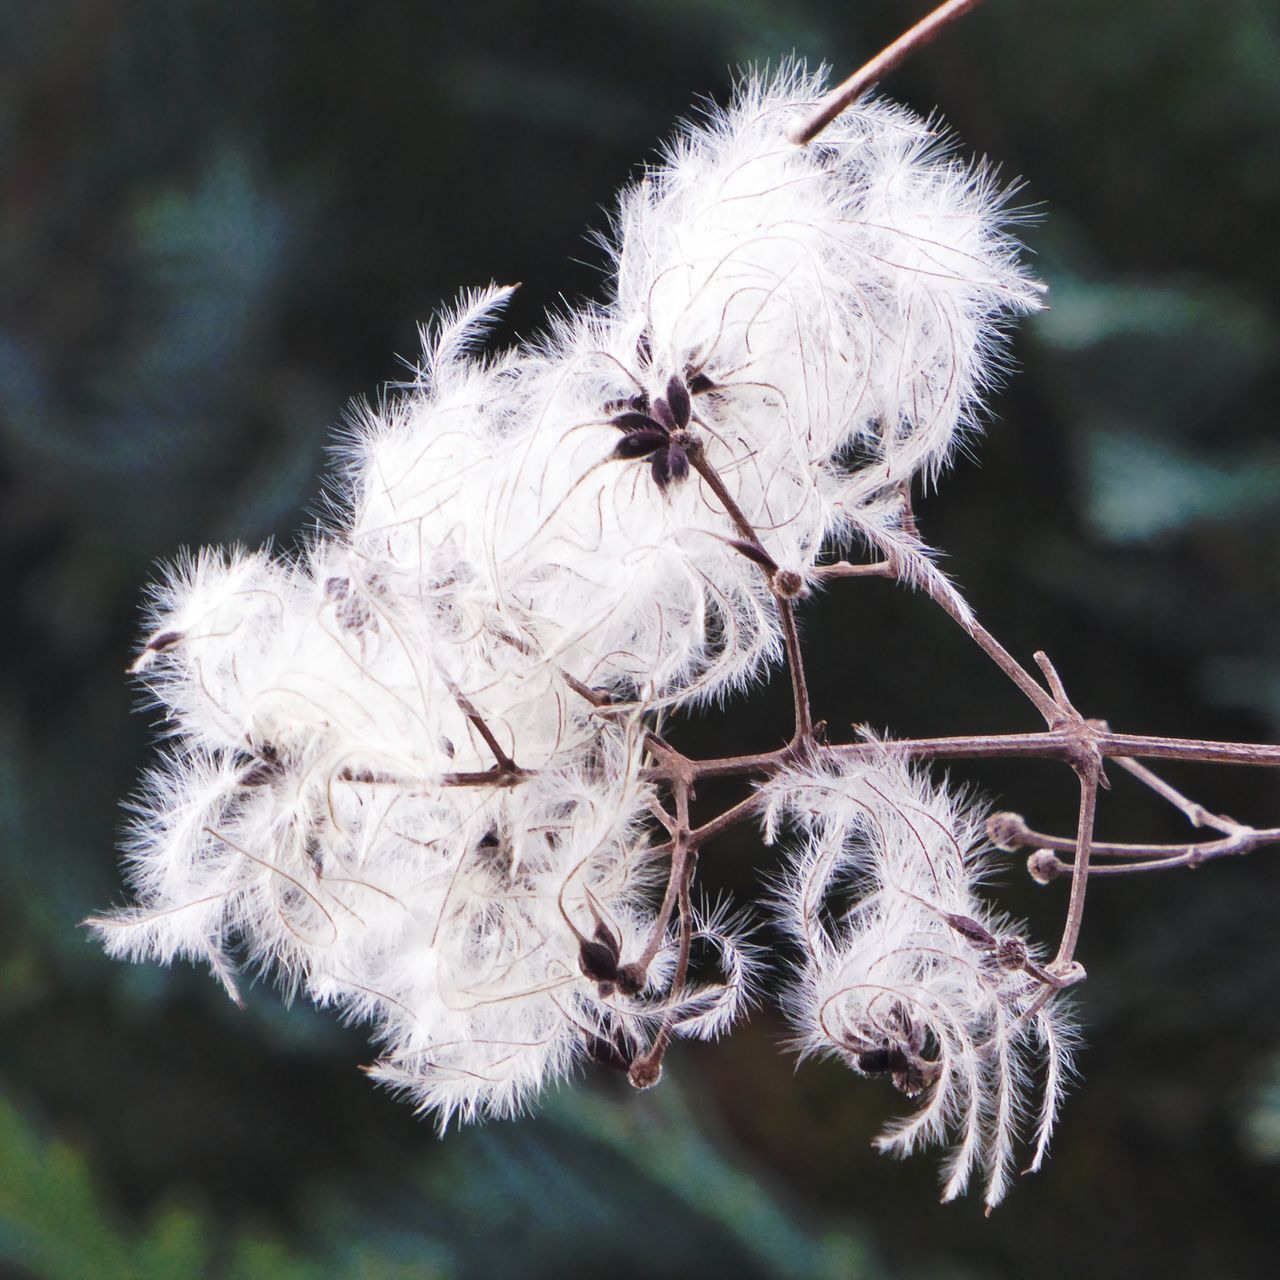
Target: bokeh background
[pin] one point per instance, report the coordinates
(222, 220)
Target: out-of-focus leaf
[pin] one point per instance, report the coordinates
(53, 1224)
(660, 1139)
(1138, 488)
(1260, 1127)
(1165, 355)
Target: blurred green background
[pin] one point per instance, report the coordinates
(220, 221)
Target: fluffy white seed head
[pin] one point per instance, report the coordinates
(906, 972)
(791, 335)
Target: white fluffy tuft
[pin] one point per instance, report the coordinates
(832, 314)
(906, 972)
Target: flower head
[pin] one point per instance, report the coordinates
(391, 778)
(905, 971)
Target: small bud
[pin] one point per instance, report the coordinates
(645, 1072)
(1007, 831)
(1043, 866)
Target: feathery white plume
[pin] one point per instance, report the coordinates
(905, 971)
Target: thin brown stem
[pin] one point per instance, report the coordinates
(1045, 866)
(799, 683)
(1053, 745)
(1195, 813)
(843, 569)
(605, 705)
(730, 817)
(585, 691)
(1114, 745)
(686, 924)
(1007, 663)
(1011, 832)
(782, 594)
(646, 1069)
(1052, 678)
(698, 459)
(1079, 871)
(902, 48)
(495, 777)
(680, 856)
(659, 811)
(504, 761)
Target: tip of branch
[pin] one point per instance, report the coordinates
(1007, 831)
(1044, 867)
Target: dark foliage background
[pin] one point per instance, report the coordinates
(219, 221)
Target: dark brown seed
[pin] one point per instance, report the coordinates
(757, 555)
(635, 422)
(597, 962)
(165, 640)
(678, 400)
(662, 411)
(640, 444)
(969, 928)
(607, 938)
(883, 1062)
